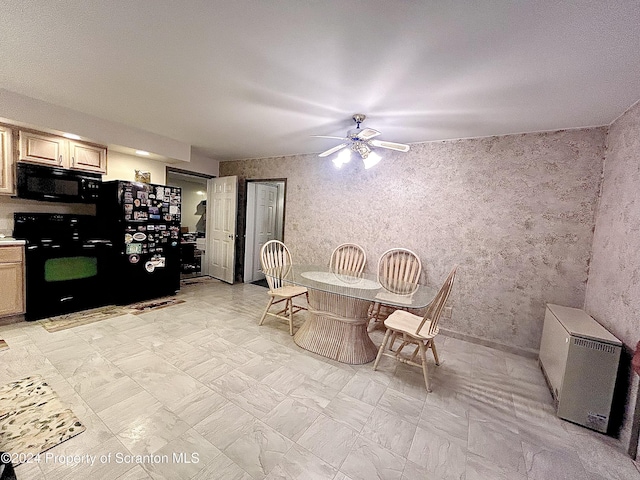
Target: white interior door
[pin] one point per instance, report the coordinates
(265, 222)
(221, 227)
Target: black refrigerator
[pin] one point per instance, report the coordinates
(143, 222)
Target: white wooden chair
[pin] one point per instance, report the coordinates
(418, 331)
(275, 254)
(348, 257)
(399, 271)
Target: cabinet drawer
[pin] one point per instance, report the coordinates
(10, 254)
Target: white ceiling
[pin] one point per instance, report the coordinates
(241, 78)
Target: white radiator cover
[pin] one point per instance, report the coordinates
(579, 359)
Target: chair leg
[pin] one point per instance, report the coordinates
(290, 302)
(373, 317)
(264, 315)
(393, 340)
(425, 371)
(415, 353)
(382, 345)
(435, 352)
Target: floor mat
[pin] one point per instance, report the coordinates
(198, 280)
(75, 319)
(33, 419)
(143, 307)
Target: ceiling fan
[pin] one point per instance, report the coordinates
(360, 141)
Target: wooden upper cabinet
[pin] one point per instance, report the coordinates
(59, 152)
(7, 185)
(45, 149)
(83, 156)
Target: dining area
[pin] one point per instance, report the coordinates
(202, 376)
(345, 304)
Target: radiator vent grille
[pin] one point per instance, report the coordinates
(590, 344)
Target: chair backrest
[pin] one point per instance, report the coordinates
(437, 305)
(399, 270)
(348, 257)
(275, 254)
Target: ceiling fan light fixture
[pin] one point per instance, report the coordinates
(362, 148)
(361, 141)
(370, 160)
(343, 157)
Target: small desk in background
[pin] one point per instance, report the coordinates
(190, 258)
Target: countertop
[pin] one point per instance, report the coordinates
(10, 241)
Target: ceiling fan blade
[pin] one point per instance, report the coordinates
(328, 136)
(400, 147)
(332, 150)
(367, 134)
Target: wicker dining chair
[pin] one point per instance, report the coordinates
(348, 257)
(399, 271)
(416, 330)
(274, 254)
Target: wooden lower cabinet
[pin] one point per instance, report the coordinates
(12, 280)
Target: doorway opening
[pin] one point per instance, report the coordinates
(264, 222)
(193, 225)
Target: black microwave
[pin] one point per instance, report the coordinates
(51, 184)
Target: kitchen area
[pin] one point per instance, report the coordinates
(85, 224)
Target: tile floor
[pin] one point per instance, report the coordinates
(235, 401)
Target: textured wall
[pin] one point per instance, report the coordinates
(613, 290)
(515, 212)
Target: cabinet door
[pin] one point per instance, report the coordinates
(92, 158)
(44, 149)
(7, 185)
(12, 281)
